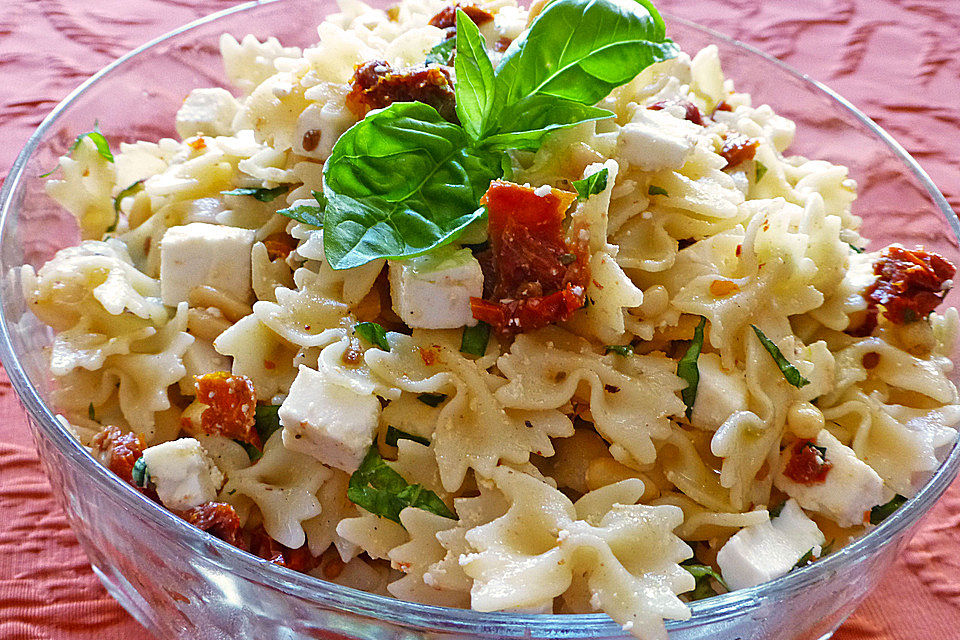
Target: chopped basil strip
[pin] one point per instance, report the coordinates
(394, 434)
(383, 492)
(263, 195)
(441, 53)
(761, 171)
(254, 453)
(475, 338)
(141, 475)
(432, 399)
(881, 512)
(821, 450)
(103, 147)
(790, 372)
(307, 213)
(775, 510)
(372, 333)
(654, 190)
(267, 420)
(855, 248)
(688, 370)
(129, 191)
(703, 574)
(591, 185)
(91, 413)
(622, 349)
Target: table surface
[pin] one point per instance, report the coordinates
(898, 60)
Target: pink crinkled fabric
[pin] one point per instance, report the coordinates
(898, 60)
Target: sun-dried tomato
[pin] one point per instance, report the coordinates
(807, 464)
(263, 546)
(539, 277)
(118, 451)
(377, 85)
(910, 284)
(279, 245)
(446, 19)
(738, 148)
(231, 406)
(691, 111)
(217, 518)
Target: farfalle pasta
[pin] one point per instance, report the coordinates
(459, 308)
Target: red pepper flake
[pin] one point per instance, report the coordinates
(738, 148)
(429, 356)
(198, 144)
(910, 284)
(739, 250)
(723, 105)
(279, 245)
(531, 280)
(377, 85)
(118, 451)
(217, 518)
(690, 111)
(231, 406)
(807, 464)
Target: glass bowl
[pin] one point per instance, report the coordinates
(182, 583)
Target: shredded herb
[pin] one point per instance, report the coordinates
(591, 185)
(91, 413)
(688, 370)
(432, 399)
(394, 434)
(254, 453)
(805, 559)
(103, 147)
(372, 333)
(654, 190)
(263, 195)
(881, 512)
(703, 574)
(761, 171)
(790, 372)
(441, 53)
(855, 248)
(382, 491)
(129, 191)
(267, 420)
(141, 475)
(475, 338)
(775, 510)
(307, 213)
(622, 349)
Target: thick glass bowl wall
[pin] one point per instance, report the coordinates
(182, 583)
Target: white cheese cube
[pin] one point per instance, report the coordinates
(207, 112)
(768, 550)
(434, 291)
(720, 393)
(851, 488)
(184, 474)
(327, 421)
(655, 140)
(198, 254)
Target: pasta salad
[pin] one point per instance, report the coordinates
(509, 309)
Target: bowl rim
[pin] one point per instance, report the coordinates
(411, 614)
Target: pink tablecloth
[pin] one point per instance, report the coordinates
(899, 60)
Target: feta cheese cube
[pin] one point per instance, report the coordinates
(184, 474)
(851, 487)
(434, 291)
(198, 254)
(655, 140)
(207, 112)
(720, 393)
(768, 550)
(327, 421)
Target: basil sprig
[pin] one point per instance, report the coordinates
(591, 185)
(790, 372)
(404, 181)
(688, 369)
(382, 491)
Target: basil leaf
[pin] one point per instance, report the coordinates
(775, 510)
(703, 573)
(383, 492)
(308, 213)
(583, 49)
(267, 420)
(761, 170)
(432, 399)
(140, 473)
(393, 435)
(687, 367)
(475, 81)
(475, 338)
(252, 452)
(804, 560)
(263, 195)
(622, 349)
(441, 53)
(855, 248)
(400, 183)
(372, 333)
(654, 190)
(129, 191)
(524, 124)
(103, 147)
(881, 512)
(591, 185)
(790, 372)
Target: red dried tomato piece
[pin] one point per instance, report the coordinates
(738, 148)
(217, 518)
(807, 464)
(447, 17)
(691, 111)
(279, 245)
(118, 451)
(910, 284)
(723, 105)
(263, 546)
(231, 406)
(377, 85)
(538, 277)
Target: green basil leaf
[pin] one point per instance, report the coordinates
(253, 453)
(103, 147)
(393, 435)
(129, 191)
(654, 190)
(775, 510)
(400, 183)
(475, 81)
(855, 248)
(441, 53)
(267, 420)
(372, 333)
(688, 370)
(583, 49)
(524, 124)
(383, 492)
(140, 473)
(790, 372)
(263, 195)
(591, 185)
(881, 512)
(805, 559)
(432, 399)
(307, 213)
(622, 349)
(703, 574)
(761, 170)
(475, 338)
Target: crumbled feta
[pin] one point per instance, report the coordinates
(720, 393)
(198, 254)
(655, 140)
(207, 112)
(851, 487)
(185, 476)
(327, 421)
(543, 191)
(434, 291)
(768, 550)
